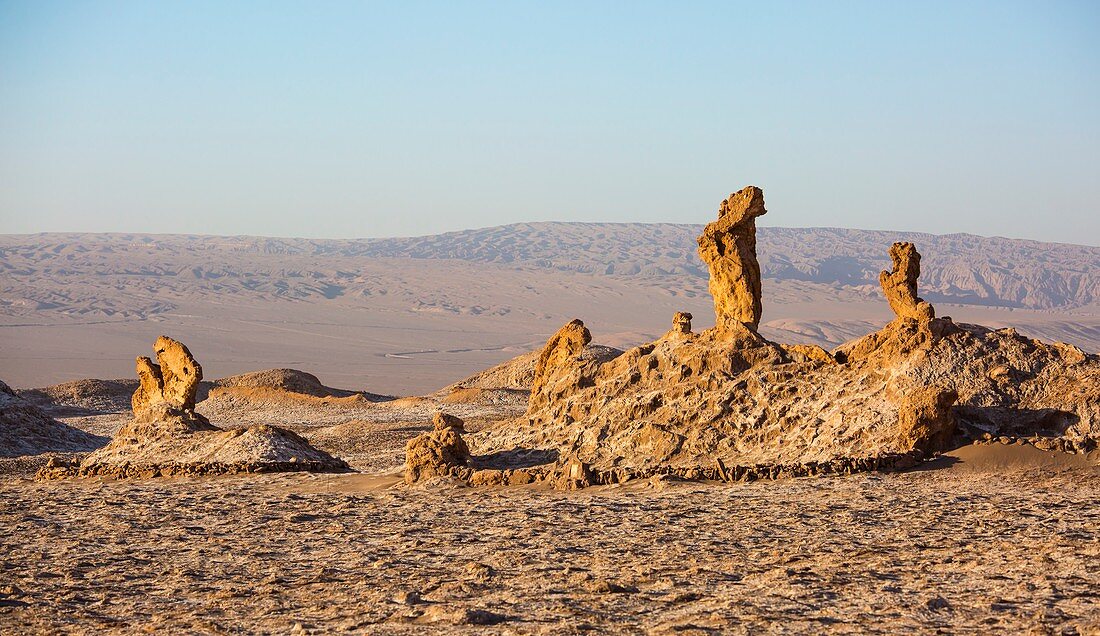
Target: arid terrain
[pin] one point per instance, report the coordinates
(995, 534)
(973, 547)
(989, 538)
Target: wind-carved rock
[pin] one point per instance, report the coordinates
(900, 284)
(170, 382)
(168, 437)
(726, 403)
(439, 452)
(561, 349)
(681, 322)
(925, 419)
(728, 247)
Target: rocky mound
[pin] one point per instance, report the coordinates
(287, 380)
(167, 437)
(508, 385)
(729, 404)
(83, 396)
(519, 373)
(440, 452)
(26, 430)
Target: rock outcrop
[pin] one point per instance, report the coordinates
(168, 437)
(925, 419)
(728, 404)
(681, 323)
(728, 247)
(171, 382)
(287, 381)
(562, 350)
(900, 284)
(440, 452)
(518, 373)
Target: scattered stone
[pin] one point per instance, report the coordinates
(407, 598)
(480, 617)
(575, 474)
(604, 586)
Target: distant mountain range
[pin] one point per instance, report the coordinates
(60, 271)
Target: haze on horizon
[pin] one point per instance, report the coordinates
(367, 120)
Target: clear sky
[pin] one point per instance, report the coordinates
(378, 119)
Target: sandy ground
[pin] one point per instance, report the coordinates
(992, 540)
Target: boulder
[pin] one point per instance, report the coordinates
(441, 452)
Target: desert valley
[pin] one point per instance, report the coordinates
(508, 318)
(549, 428)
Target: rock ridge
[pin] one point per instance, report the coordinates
(712, 404)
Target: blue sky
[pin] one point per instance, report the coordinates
(381, 119)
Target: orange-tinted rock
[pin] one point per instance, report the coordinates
(167, 437)
(728, 247)
(808, 353)
(681, 322)
(900, 284)
(180, 371)
(561, 351)
(727, 403)
(925, 419)
(150, 386)
(171, 382)
(438, 453)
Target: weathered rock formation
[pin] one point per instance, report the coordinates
(440, 452)
(728, 247)
(564, 349)
(900, 284)
(681, 322)
(287, 381)
(83, 397)
(168, 437)
(518, 374)
(728, 404)
(925, 419)
(169, 383)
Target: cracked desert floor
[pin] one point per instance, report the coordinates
(992, 539)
